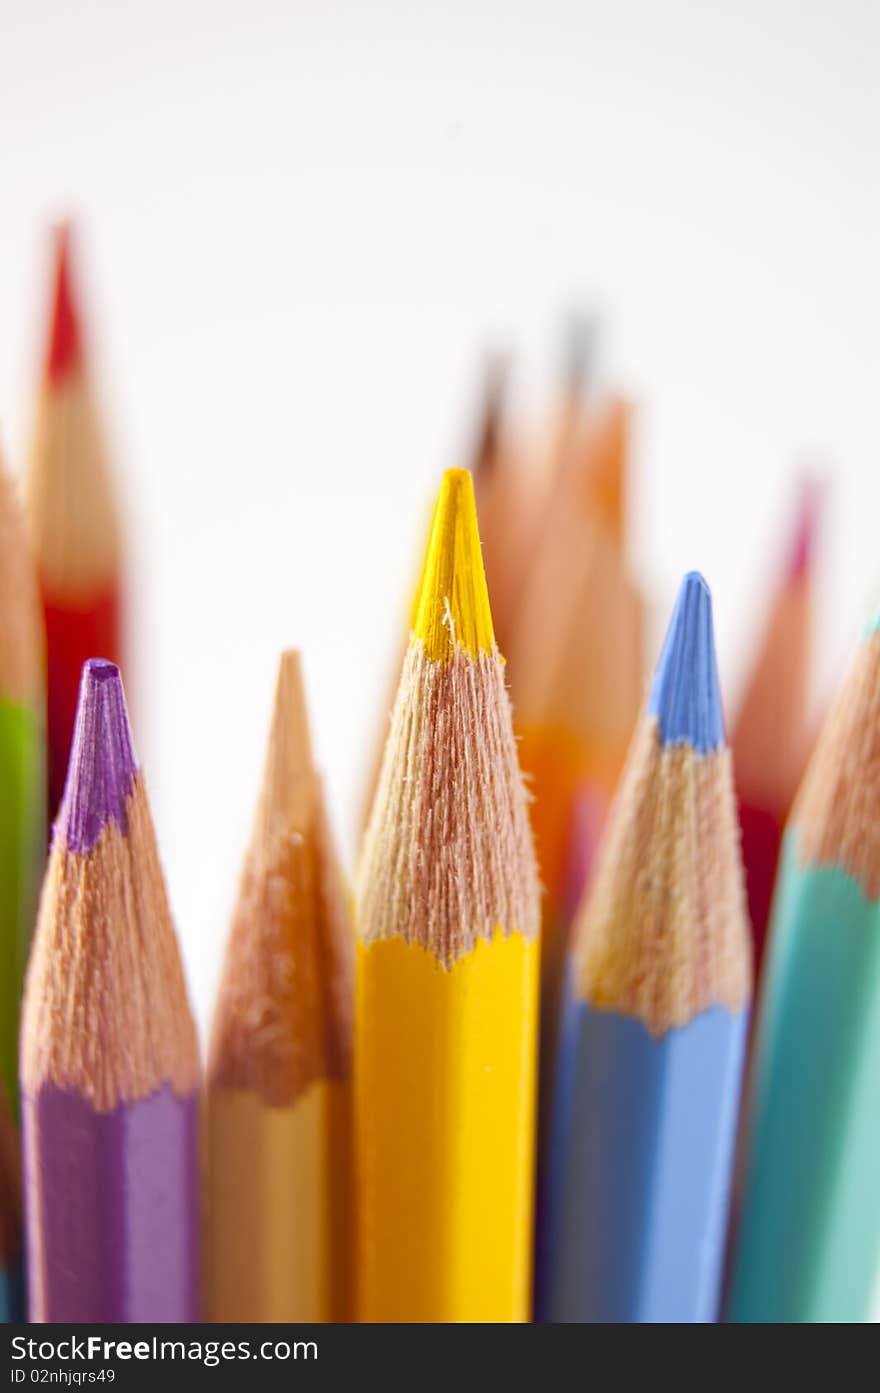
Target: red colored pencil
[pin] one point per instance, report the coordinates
(772, 730)
(73, 521)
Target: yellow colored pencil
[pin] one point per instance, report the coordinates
(279, 1218)
(447, 914)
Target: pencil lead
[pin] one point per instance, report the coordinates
(453, 600)
(102, 765)
(288, 796)
(579, 352)
(804, 541)
(685, 696)
(488, 436)
(290, 721)
(65, 342)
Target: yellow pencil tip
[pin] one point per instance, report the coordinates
(453, 601)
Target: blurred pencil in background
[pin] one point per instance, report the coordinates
(73, 520)
(810, 1216)
(580, 344)
(576, 670)
(280, 1217)
(22, 769)
(109, 1056)
(447, 970)
(771, 733)
(576, 678)
(651, 1052)
(516, 487)
(502, 497)
(10, 1215)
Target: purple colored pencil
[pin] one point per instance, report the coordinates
(109, 1057)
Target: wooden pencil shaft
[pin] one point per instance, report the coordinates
(109, 1056)
(22, 850)
(810, 1223)
(22, 766)
(642, 1163)
(444, 1117)
(280, 1243)
(447, 970)
(113, 1208)
(638, 1169)
(279, 1230)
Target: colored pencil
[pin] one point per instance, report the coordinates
(577, 371)
(652, 1047)
(73, 521)
(22, 769)
(580, 614)
(771, 733)
(605, 450)
(109, 1058)
(516, 488)
(576, 677)
(280, 1222)
(809, 1233)
(447, 969)
(10, 1216)
(503, 500)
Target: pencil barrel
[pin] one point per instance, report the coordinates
(111, 1209)
(279, 1240)
(22, 848)
(640, 1170)
(445, 1077)
(810, 1221)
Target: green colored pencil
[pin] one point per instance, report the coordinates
(22, 768)
(810, 1226)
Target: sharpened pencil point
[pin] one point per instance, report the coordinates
(290, 716)
(685, 696)
(65, 344)
(581, 336)
(485, 456)
(102, 765)
(288, 798)
(453, 601)
(804, 541)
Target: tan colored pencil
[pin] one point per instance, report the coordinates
(280, 1226)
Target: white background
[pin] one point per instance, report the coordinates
(301, 226)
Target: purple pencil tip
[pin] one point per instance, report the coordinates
(102, 764)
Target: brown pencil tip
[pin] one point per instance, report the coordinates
(288, 796)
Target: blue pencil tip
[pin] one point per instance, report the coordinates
(685, 697)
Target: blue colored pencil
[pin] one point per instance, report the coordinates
(656, 1019)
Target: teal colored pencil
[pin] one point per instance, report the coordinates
(22, 778)
(810, 1220)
